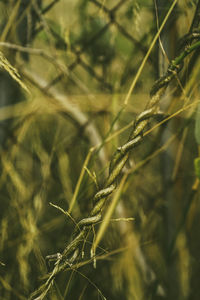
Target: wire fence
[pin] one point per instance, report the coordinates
(105, 41)
(54, 147)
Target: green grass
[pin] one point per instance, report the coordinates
(57, 143)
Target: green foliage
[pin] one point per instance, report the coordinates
(197, 125)
(100, 49)
(56, 147)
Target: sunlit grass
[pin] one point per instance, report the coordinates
(56, 152)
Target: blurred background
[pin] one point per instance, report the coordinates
(78, 60)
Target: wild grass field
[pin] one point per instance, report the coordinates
(99, 149)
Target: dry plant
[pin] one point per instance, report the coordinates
(99, 177)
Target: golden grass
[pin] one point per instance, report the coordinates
(146, 246)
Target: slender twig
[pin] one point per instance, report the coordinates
(119, 159)
(63, 104)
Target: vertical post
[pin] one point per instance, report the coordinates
(166, 51)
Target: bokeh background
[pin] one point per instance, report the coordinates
(78, 60)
